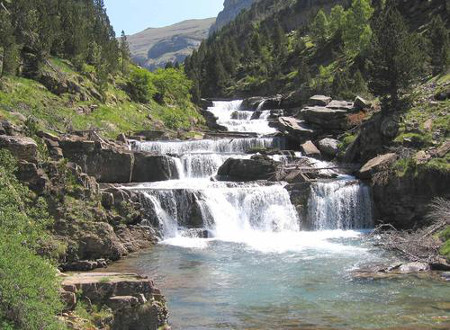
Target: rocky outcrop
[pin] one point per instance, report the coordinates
(403, 201)
(23, 148)
(117, 164)
(232, 8)
(326, 118)
(135, 302)
(151, 168)
(319, 100)
(256, 168)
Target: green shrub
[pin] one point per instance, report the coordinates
(29, 296)
(140, 86)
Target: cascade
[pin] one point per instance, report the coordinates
(233, 211)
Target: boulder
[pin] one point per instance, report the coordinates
(376, 164)
(310, 150)
(443, 95)
(257, 168)
(329, 147)
(295, 99)
(414, 267)
(7, 128)
(326, 118)
(361, 104)
(23, 148)
(319, 100)
(151, 168)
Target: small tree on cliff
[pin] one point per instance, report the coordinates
(125, 54)
(396, 58)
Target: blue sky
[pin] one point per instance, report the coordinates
(136, 15)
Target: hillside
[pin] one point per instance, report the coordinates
(154, 47)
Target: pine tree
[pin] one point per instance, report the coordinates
(320, 27)
(125, 54)
(440, 45)
(396, 58)
(8, 44)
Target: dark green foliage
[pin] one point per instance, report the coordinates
(396, 58)
(440, 45)
(79, 30)
(29, 297)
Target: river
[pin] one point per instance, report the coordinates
(252, 265)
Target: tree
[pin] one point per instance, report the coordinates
(8, 44)
(440, 45)
(125, 54)
(320, 27)
(356, 30)
(304, 75)
(336, 20)
(396, 58)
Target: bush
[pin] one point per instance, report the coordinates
(29, 296)
(140, 86)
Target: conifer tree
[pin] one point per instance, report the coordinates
(440, 45)
(125, 54)
(396, 58)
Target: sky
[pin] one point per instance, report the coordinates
(136, 15)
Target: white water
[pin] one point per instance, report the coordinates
(260, 215)
(236, 120)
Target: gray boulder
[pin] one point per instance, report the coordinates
(329, 147)
(326, 118)
(361, 104)
(257, 168)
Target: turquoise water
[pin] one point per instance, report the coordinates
(288, 281)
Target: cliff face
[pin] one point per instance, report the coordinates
(154, 47)
(232, 8)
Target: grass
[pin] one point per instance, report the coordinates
(117, 115)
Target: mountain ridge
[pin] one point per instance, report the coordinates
(154, 47)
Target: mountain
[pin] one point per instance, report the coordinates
(154, 47)
(231, 8)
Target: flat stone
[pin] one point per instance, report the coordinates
(376, 164)
(340, 105)
(443, 150)
(319, 100)
(310, 150)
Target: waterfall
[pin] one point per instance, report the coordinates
(241, 212)
(225, 209)
(340, 204)
(235, 120)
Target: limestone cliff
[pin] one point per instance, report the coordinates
(231, 9)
